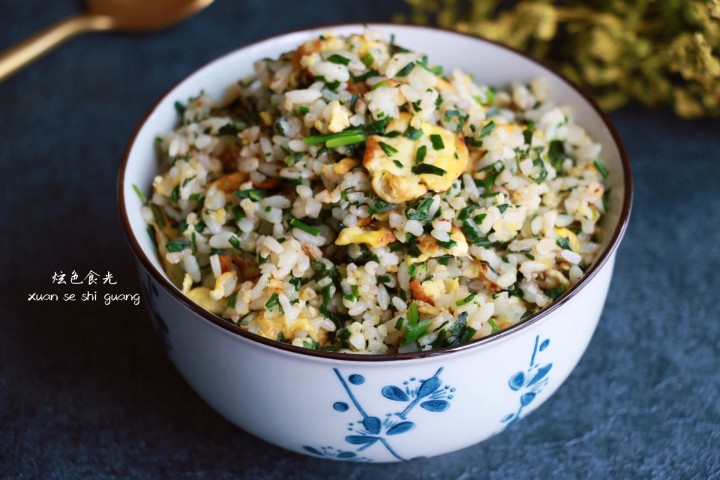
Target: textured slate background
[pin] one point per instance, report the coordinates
(86, 390)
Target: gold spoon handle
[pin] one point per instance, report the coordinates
(41, 43)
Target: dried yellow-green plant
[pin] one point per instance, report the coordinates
(657, 52)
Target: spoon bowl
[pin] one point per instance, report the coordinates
(141, 15)
(101, 15)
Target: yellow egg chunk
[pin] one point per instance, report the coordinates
(429, 247)
(395, 164)
(202, 296)
(453, 157)
(571, 238)
(376, 238)
(271, 327)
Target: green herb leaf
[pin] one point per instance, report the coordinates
(601, 168)
(139, 194)
(367, 60)
(255, 195)
(426, 168)
(414, 332)
(180, 109)
(311, 343)
(235, 242)
(421, 211)
(543, 171)
(405, 71)
(437, 141)
(420, 154)
(294, 222)
(563, 243)
(555, 292)
(178, 245)
(230, 129)
(556, 155)
(413, 315)
(320, 139)
(465, 300)
(447, 245)
(494, 326)
(413, 133)
(338, 59)
(232, 300)
(487, 129)
(348, 140)
(388, 149)
(273, 301)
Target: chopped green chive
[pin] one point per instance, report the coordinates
(180, 108)
(398, 163)
(234, 242)
(294, 222)
(465, 300)
(543, 171)
(405, 71)
(303, 110)
(420, 154)
(367, 60)
(437, 142)
(563, 243)
(412, 313)
(414, 331)
(599, 165)
(338, 59)
(273, 301)
(232, 300)
(494, 326)
(353, 101)
(413, 133)
(348, 140)
(139, 194)
(447, 245)
(311, 343)
(256, 195)
(319, 139)
(230, 129)
(555, 292)
(421, 211)
(388, 149)
(425, 168)
(487, 128)
(556, 154)
(178, 245)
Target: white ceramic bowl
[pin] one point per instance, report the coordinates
(375, 408)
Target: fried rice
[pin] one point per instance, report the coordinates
(352, 196)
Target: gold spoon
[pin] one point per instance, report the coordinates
(101, 15)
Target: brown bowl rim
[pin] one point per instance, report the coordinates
(360, 357)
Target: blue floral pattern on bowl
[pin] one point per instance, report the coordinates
(429, 394)
(530, 382)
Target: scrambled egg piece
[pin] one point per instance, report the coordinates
(437, 287)
(398, 176)
(272, 327)
(203, 297)
(428, 246)
(377, 238)
(570, 237)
